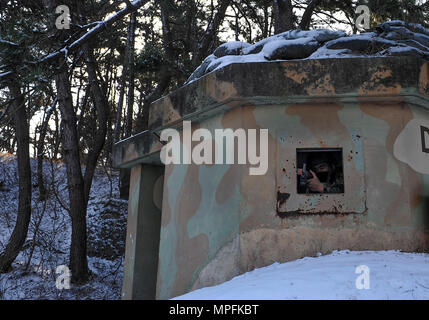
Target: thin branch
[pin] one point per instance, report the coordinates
(101, 26)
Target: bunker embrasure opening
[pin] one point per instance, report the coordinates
(320, 170)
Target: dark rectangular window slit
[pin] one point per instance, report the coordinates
(320, 170)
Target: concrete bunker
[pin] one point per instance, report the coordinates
(191, 226)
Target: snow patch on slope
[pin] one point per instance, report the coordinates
(106, 224)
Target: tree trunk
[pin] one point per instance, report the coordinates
(57, 136)
(102, 107)
(131, 75)
(127, 71)
(19, 233)
(283, 16)
(78, 260)
(125, 67)
(40, 151)
(165, 72)
(306, 17)
(124, 175)
(210, 33)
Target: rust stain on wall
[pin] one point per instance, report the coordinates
(281, 201)
(379, 84)
(424, 79)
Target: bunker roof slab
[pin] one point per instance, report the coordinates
(338, 80)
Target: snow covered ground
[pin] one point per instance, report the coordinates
(392, 275)
(47, 246)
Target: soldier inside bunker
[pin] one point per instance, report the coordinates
(324, 174)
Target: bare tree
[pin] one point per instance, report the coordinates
(131, 76)
(127, 72)
(283, 16)
(123, 81)
(40, 150)
(306, 17)
(70, 142)
(165, 72)
(102, 109)
(20, 230)
(79, 185)
(204, 45)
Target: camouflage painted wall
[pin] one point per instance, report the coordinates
(218, 221)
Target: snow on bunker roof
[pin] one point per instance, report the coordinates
(392, 38)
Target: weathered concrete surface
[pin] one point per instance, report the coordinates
(313, 81)
(142, 243)
(264, 246)
(290, 82)
(128, 153)
(218, 221)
